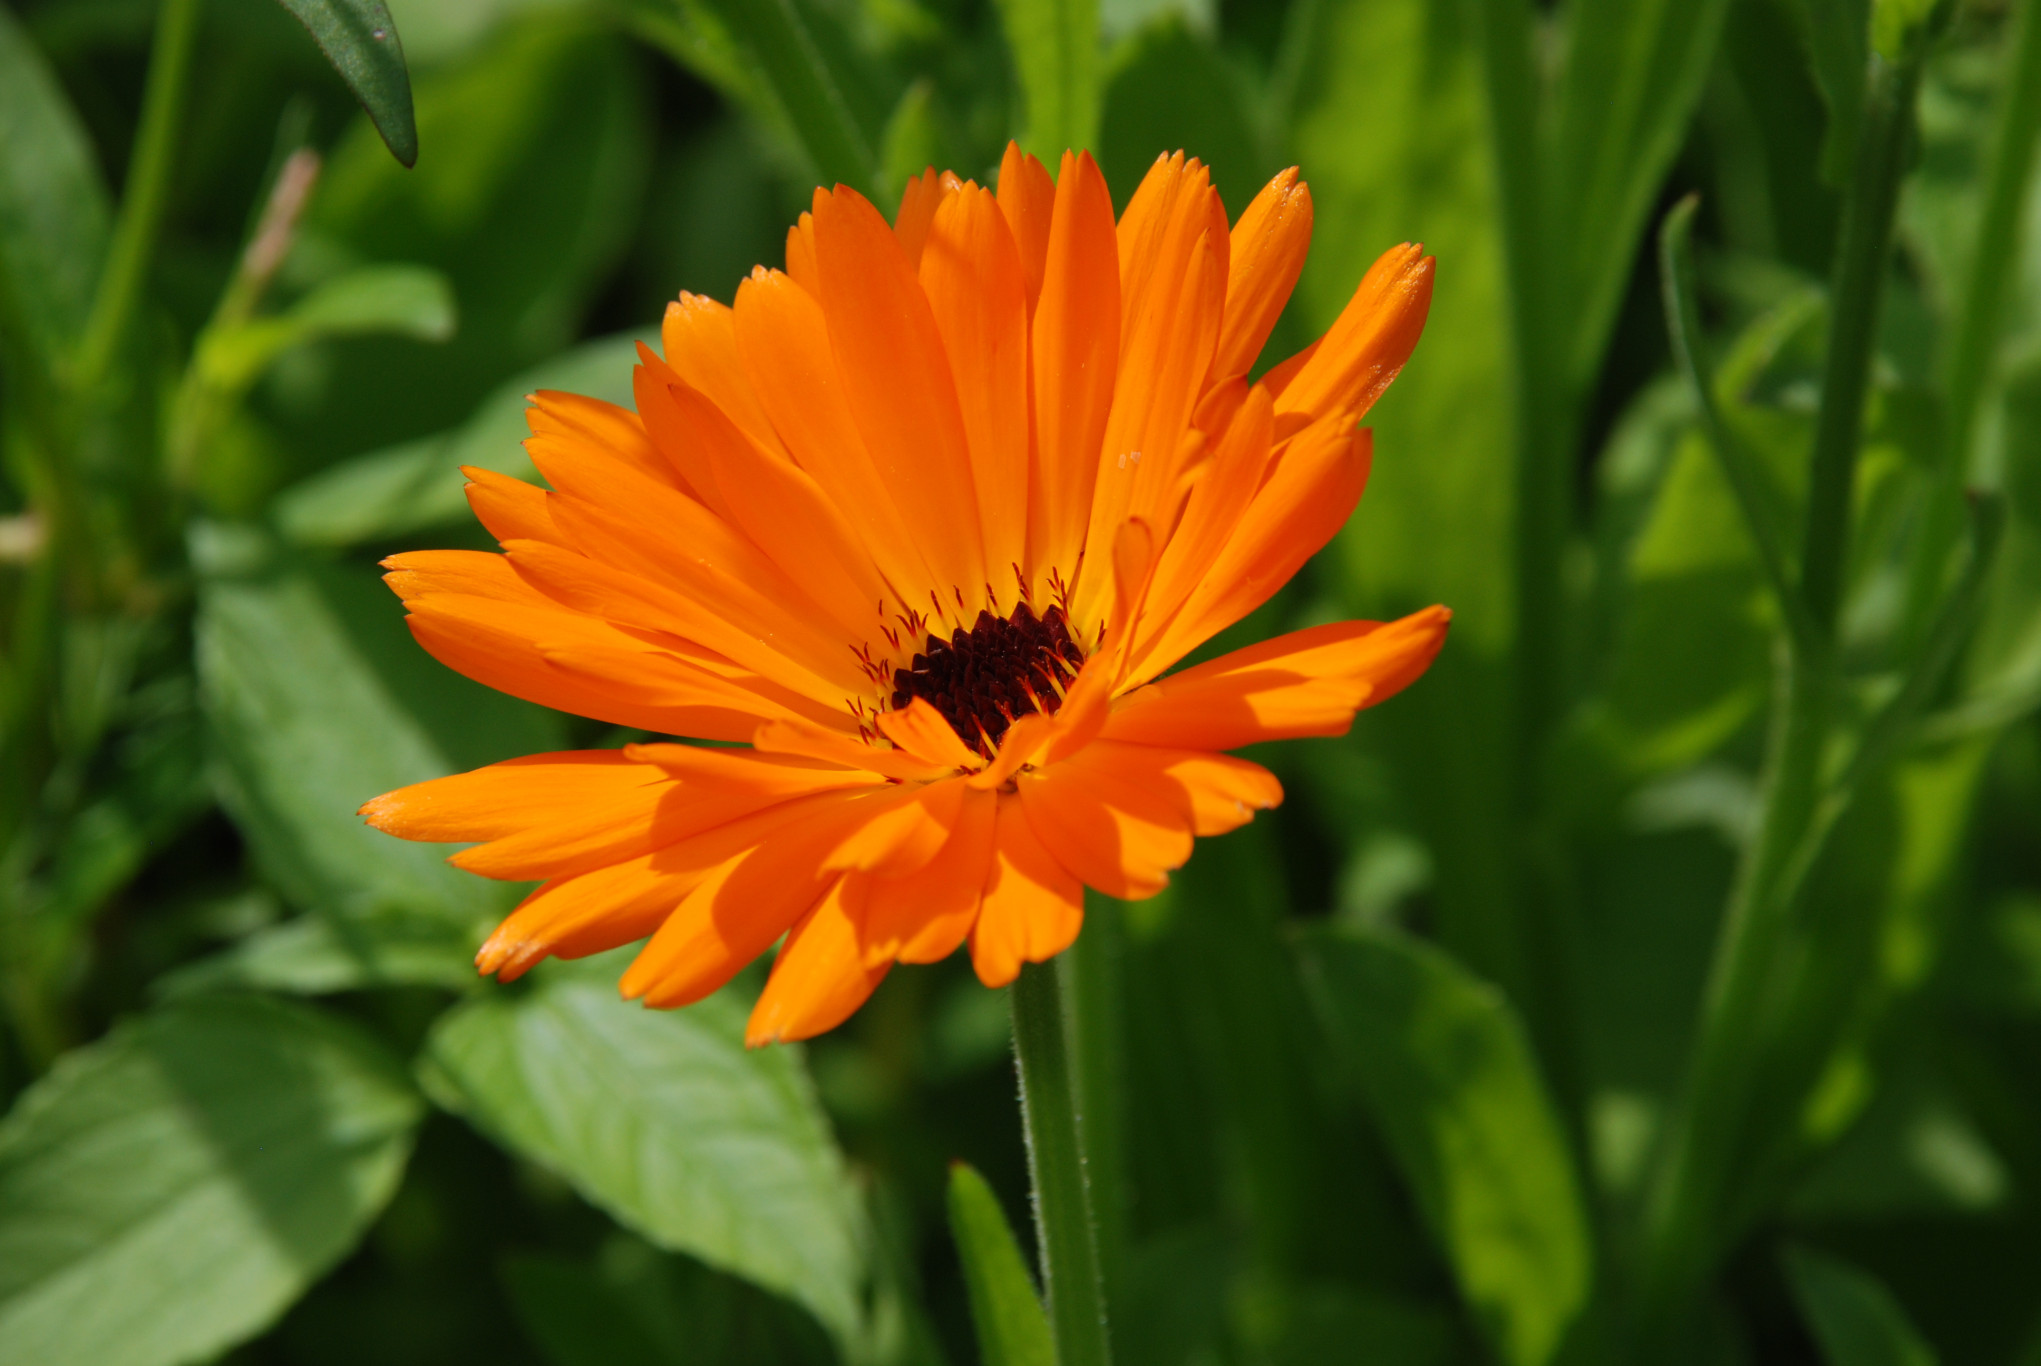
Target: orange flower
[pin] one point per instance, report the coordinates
(922, 520)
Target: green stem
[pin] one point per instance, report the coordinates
(1685, 1230)
(1968, 365)
(1862, 252)
(143, 198)
(1091, 972)
(1053, 1116)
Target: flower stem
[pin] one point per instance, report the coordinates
(1685, 1233)
(1053, 1117)
(142, 199)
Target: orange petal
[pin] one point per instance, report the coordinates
(919, 202)
(921, 730)
(700, 339)
(1305, 500)
(1305, 683)
(1220, 792)
(1366, 346)
(835, 747)
(1109, 829)
(782, 510)
(922, 917)
(1027, 196)
(972, 276)
(624, 901)
(504, 799)
(785, 343)
(1217, 503)
(617, 432)
(897, 382)
(765, 875)
(1076, 347)
(1032, 908)
(510, 508)
(1268, 246)
(820, 977)
(801, 265)
(907, 826)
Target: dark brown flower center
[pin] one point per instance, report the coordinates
(984, 679)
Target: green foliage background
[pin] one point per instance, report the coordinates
(1469, 1053)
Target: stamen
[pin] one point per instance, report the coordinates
(984, 679)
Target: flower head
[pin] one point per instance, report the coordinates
(922, 522)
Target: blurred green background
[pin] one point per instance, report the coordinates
(1421, 1068)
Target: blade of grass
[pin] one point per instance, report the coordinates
(1055, 49)
(1005, 1310)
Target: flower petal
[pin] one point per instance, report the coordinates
(923, 916)
(1076, 347)
(1110, 830)
(1268, 246)
(1032, 907)
(972, 276)
(1027, 196)
(700, 339)
(1365, 348)
(511, 509)
(820, 977)
(1308, 682)
(897, 383)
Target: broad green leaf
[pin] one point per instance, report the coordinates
(1055, 45)
(167, 1192)
(1012, 1329)
(1451, 1080)
(358, 37)
(54, 217)
(1631, 74)
(1854, 1318)
(318, 699)
(666, 1120)
(1170, 90)
(398, 300)
(418, 485)
(316, 955)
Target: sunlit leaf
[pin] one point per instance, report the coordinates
(399, 300)
(361, 42)
(1453, 1084)
(167, 1192)
(317, 955)
(1012, 1329)
(1855, 1319)
(666, 1120)
(1170, 90)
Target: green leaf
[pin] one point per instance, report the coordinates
(1632, 72)
(1839, 40)
(361, 42)
(1855, 1318)
(1170, 90)
(1451, 1080)
(1012, 1329)
(577, 1316)
(417, 485)
(789, 61)
(318, 699)
(317, 955)
(54, 216)
(1055, 48)
(167, 1192)
(397, 300)
(668, 1122)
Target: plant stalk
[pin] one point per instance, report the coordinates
(1685, 1232)
(144, 196)
(1052, 1115)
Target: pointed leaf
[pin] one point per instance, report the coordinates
(361, 42)
(1012, 1329)
(1452, 1083)
(167, 1192)
(668, 1122)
